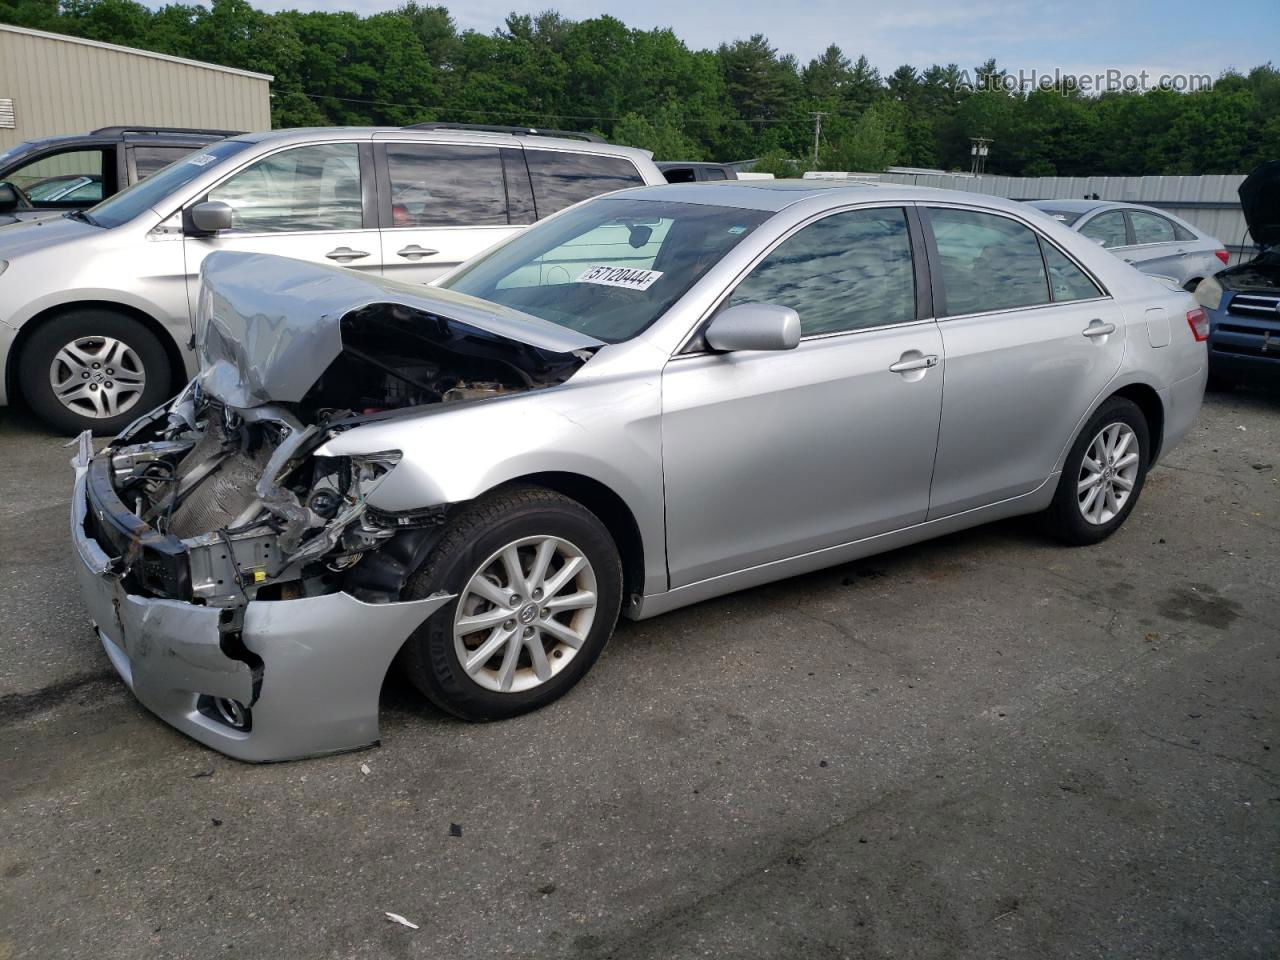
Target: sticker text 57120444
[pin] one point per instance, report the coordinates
(632, 278)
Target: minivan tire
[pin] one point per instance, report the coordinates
(1064, 518)
(430, 657)
(85, 325)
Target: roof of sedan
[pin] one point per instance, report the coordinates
(775, 195)
(1074, 206)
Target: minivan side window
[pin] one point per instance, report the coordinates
(147, 160)
(562, 179)
(1107, 229)
(1149, 228)
(988, 262)
(440, 184)
(302, 189)
(845, 272)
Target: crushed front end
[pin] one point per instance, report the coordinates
(239, 579)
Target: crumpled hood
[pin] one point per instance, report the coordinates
(1260, 198)
(28, 235)
(267, 327)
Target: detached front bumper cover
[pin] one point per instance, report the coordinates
(310, 671)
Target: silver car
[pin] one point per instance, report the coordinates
(650, 399)
(1152, 240)
(96, 307)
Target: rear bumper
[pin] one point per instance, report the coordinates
(310, 671)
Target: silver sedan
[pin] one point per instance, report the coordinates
(1152, 240)
(649, 399)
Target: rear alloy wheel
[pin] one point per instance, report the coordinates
(93, 369)
(1102, 475)
(538, 586)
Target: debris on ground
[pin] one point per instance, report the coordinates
(364, 768)
(396, 918)
(455, 830)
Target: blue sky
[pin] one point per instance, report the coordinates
(1174, 36)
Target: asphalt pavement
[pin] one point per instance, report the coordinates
(986, 746)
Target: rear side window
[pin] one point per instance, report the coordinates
(715, 173)
(846, 272)
(147, 160)
(562, 179)
(1149, 228)
(1107, 229)
(1067, 281)
(436, 184)
(988, 262)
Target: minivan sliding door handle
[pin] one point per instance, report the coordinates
(415, 252)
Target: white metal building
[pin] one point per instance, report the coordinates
(52, 84)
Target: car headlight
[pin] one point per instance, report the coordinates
(1209, 293)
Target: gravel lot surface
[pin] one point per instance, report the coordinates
(984, 746)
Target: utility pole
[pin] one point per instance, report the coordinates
(817, 133)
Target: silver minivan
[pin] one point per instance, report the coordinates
(96, 307)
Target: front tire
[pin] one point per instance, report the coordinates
(92, 369)
(538, 586)
(1102, 476)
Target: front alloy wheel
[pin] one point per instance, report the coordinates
(97, 377)
(525, 614)
(538, 582)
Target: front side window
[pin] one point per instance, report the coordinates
(303, 189)
(988, 262)
(50, 180)
(609, 268)
(1107, 229)
(1150, 228)
(435, 184)
(846, 272)
(1068, 282)
(154, 191)
(562, 179)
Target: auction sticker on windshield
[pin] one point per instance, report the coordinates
(632, 278)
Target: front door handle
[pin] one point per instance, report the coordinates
(415, 252)
(1098, 329)
(907, 364)
(344, 254)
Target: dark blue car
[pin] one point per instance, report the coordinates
(1243, 302)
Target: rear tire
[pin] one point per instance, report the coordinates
(93, 369)
(538, 645)
(1100, 484)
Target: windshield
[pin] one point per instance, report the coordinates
(144, 194)
(610, 267)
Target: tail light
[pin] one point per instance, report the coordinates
(1223, 256)
(1198, 321)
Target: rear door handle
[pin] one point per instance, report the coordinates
(343, 254)
(1098, 329)
(415, 252)
(916, 363)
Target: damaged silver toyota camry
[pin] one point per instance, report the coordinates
(649, 399)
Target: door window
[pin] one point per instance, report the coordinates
(1150, 228)
(147, 160)
(51, 180)
(846, 272)
(562, 179)
(303, 189)
(435, 185)
(988, 262)
(1107, 229)
(1068, 281)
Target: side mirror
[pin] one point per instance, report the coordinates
(9, 198)
(211, 216)
(754, 326)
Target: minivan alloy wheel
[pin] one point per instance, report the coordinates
(97, 377)
(525, 613)
(1108, 473)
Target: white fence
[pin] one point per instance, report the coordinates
(1209, 202)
